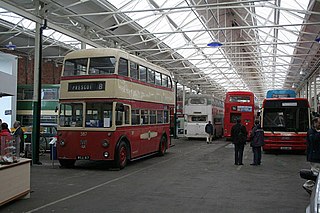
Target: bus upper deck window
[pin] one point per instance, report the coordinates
(143, 73)
(74, 67)
(102, 65)
(123, 67)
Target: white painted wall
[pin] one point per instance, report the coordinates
(8, 85)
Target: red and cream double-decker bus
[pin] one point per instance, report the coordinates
(239, 105)
(114, 106)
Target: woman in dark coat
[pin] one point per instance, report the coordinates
(257, 141)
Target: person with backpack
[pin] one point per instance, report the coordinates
(239, 136)
(257, 141)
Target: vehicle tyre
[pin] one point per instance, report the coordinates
(67, 163)
(162, 146)
(121, 155)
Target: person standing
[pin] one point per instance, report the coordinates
(257, 141)
(209, 131)
(239, 137)
(313, 151)
(18, 133)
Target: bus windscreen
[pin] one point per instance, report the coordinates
(286, 119)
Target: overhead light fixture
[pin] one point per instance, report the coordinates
(317, 39)
(214, 44)
(302, 72)
(10, 46)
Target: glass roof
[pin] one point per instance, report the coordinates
(256, 53)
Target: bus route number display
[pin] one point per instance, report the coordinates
(244, 108)
(86, 86)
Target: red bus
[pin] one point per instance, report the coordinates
(239, 105)
(285, 122)
(114, 106)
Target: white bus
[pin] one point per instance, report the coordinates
(199, 109)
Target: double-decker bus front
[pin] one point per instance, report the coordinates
(112, 107)
(199, 109)
(198, 112)
(239, 105)
(285, 122)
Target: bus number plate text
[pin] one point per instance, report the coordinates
(285, 148)
(83, 157)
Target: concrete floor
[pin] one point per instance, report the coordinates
(192, 177)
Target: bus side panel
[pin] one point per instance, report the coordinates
(88, 144)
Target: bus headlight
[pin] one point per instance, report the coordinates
(106, 154)
(105, 143)
(62, 143)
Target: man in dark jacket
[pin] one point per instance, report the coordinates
(313, 151)
(257, 141)
(239, 136)
(209, 131)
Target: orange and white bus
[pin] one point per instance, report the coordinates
(113, 106)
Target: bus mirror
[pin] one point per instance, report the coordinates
(120, 107)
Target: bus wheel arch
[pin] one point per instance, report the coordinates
(122, 153)
(163, 145)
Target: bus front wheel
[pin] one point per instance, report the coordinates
(67, 163)
(163, 146)
(121, 155)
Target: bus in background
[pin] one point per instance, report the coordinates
(113, 106)
(288, 93)
(285, 121)
(241, 105)
(199, 109)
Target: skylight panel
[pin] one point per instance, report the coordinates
(175, 40)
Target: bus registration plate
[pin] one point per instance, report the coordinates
(285, 148)
(83, 157)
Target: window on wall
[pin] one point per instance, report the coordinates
(151, 76)
(99, 114)
(71, 115)
(135, 117)
(123, 67)
(143, 73)
(158, 78)
(102, 65)
(169, 82)
(144, 117)
(166, 116)
(75, 67)
(134, 72)
(164, 81)
(50, 94)
(126, 114)
(153, 117)
(159, 116)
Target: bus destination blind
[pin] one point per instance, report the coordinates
(86, 86)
